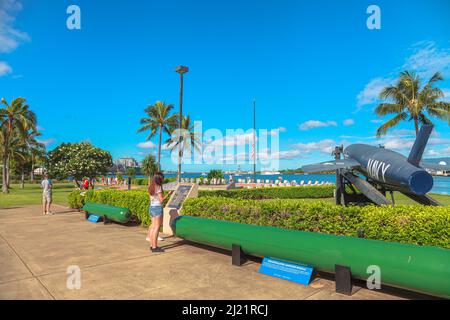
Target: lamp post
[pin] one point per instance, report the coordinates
(181, 70)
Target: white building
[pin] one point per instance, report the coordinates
(127, 162)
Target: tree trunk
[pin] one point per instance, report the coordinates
(22, 179)
(4, 177)
(159, 148)
(416, 126)
(32, 172)
(7, 173)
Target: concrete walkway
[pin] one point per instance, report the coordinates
(116, 263)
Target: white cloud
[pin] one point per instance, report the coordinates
(439, 153)
(10, 37)
(349, 122)
(372, 91)
(310, 124)
(282, 129)
(146, 145)
(446, 93)
(325, 146)
(46, 142)
(4, 68)
(427, 59)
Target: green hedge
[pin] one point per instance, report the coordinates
(135, 200)
(420, 225)
(315, 192)
(144, 181)
(414, 224)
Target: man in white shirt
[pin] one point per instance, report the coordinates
(46, 185)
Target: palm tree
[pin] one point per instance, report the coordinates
(14, 116)
(188, 139)
(37, 155)
(412, 102)
(15, 152)
(149, 166)
(18, 152)
(159, 119)
(35, 151)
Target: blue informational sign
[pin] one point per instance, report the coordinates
(286, 270)
(93, 218)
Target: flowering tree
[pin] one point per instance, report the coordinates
(78, 160)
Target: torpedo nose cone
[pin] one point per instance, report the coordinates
(420, 182)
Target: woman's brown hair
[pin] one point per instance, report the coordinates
(157, 180)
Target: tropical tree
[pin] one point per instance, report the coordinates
(411, 101)
(15, 117)
(78, 160)
(37, 156)
(34, 151)
(16, 154)
(149, 166)
(215, 174)
(131, 172)
(159, 120)
(184, 140)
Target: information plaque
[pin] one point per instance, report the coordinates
(286, 270)
(179, 196)
(93, 218)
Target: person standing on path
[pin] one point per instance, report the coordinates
(47, 187)
(155, 211)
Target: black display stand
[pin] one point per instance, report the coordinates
(106, 220)
(343, 279)
(237, 255)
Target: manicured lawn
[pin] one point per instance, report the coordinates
(402, 199)
(32, 194)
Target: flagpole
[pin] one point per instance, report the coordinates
(254, 140)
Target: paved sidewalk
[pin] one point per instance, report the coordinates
(116, 263)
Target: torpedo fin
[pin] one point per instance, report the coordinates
(422, 199)
(415, 156)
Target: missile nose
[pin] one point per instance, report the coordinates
(420, 182)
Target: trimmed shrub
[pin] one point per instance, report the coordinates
(144, 181)
(420, 225)
(76, 199)
(413, 224)
(315, 192)
(136, 200)
(140, 181)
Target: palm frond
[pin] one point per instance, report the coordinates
(382, 130)
(388, 108)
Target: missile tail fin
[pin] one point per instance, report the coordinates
(415, 156)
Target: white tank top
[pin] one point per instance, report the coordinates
(154, 200)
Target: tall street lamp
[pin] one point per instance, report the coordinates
(181, 70)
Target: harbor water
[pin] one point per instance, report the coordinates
(441, 183)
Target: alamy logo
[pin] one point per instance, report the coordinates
(377, 169)
(374, 280)
(74, 277)
(73, 22)
(374, 20)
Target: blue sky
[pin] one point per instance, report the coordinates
(314, 68)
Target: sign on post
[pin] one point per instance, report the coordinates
(286, 270)
(173, 208)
